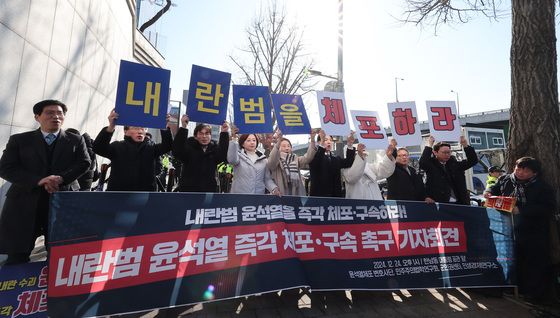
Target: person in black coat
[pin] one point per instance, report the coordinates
(324, 168)
(445, 176)
(92, 175)
(133, 159)
(534, 208)
(405, 183)
(37, 163)
(200, 156)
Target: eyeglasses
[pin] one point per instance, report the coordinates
(52, 113)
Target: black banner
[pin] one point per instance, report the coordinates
(154, 250)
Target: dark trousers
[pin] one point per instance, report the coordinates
(17, 258)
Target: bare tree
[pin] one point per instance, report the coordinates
(274, 55)
(534, 113)
(157, 16)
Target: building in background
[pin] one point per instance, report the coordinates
(68, 50)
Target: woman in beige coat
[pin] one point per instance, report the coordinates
(285, 166)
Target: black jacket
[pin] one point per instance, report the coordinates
(25, 162)
(198, 173)
(532, 235)
(535, 214)
(440, 180)
(92, 174)
(132, 163)
(404, 186)
(325, 173)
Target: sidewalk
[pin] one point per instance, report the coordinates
(420, 303)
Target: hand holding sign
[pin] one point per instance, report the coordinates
(390, 149)
(431, 141)
(113, 116)
(184, 120)
(351, 139)
(312, 135)
(463, 142)
(225, 127)
(362, 151)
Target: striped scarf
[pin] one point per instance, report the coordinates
(518, 188)
(289, 167)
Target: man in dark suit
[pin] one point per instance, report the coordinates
(405, 183)
(37, 163)
(445, 176)
(324, 168)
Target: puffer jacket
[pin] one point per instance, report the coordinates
(249, 177)
(361, 178)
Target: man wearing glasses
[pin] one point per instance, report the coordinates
(37, 163)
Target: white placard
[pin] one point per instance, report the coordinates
(405, 125)
(369, 129)
(332, 109)
(443, 119)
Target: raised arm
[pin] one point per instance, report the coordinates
(356, 171)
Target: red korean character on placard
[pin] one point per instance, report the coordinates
(444, 118)
(369, 124)
(334, 111)
(43, 277)
(31, 302)
(404, 121)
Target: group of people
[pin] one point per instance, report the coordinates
(50, 159)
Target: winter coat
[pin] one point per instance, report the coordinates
(26, 160)
(324, 173)
(132, 163)
(441, 180)
(532, 234)
(198, 173)
(92, 174)
(361, 178)
(248, 176)
(402, 185)
(279, 174)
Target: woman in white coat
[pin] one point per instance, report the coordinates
(250, 172)
(361, 179)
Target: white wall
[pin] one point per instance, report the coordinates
(61, 49)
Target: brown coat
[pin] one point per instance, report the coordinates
(278, 174)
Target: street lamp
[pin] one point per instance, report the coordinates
(457, 99)
(396, 88)
(319, 73)
(332, 86)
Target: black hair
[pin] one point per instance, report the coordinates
(285, 139)
(319, 137)
(199, 127)
(441, 144)
(38, 108)
(529, 162)
(244, 137)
